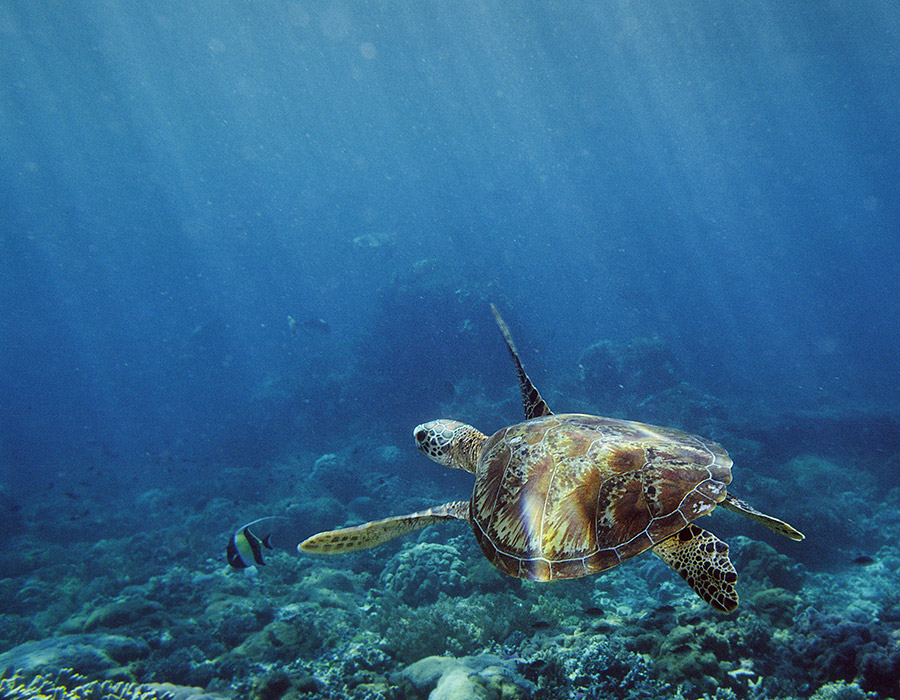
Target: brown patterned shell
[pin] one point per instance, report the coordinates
(568, 495)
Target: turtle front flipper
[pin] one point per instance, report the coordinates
(701, 559)
(351, 539)
(774, 524)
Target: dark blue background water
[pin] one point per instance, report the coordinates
(179, 178)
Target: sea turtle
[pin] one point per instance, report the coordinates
(564, 496)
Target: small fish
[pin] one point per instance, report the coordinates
(593, 611)
(245, 548)
(540, 625)
(863, 560)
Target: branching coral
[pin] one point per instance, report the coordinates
(67, 685)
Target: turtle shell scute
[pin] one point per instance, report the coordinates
(563, 496)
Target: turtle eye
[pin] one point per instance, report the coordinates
(419, 436)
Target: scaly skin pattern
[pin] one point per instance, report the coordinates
(701, 559)
(450, 443)
(564, 496)
(352, 539)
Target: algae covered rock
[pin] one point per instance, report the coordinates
(838, 498)
(181, 692)
(777, 604)
(332, 472)
(879, 667)
(127, 612)
(480, 677)
(424, 674)
(459, 684)
(693, 654)
(321, 578)
(271, 686)
(419, 573)
(448, 626)
(839, 691)
(763, 565)
(91, 655)
(234, 618)
(831, 648)
(280, 640)
(317, 513)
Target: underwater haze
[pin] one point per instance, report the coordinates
(246, 247)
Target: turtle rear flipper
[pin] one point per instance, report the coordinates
(774, 524)
(532, 401)
(351, 539)
(701, 559)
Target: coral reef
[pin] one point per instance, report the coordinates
(356, 627)
(67, 685)
(839, 691)
(418, 574)
(153, 602)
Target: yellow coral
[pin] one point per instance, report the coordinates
(68, 685)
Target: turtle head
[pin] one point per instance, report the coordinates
(450, 443)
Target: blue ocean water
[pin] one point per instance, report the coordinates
(234, 233)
